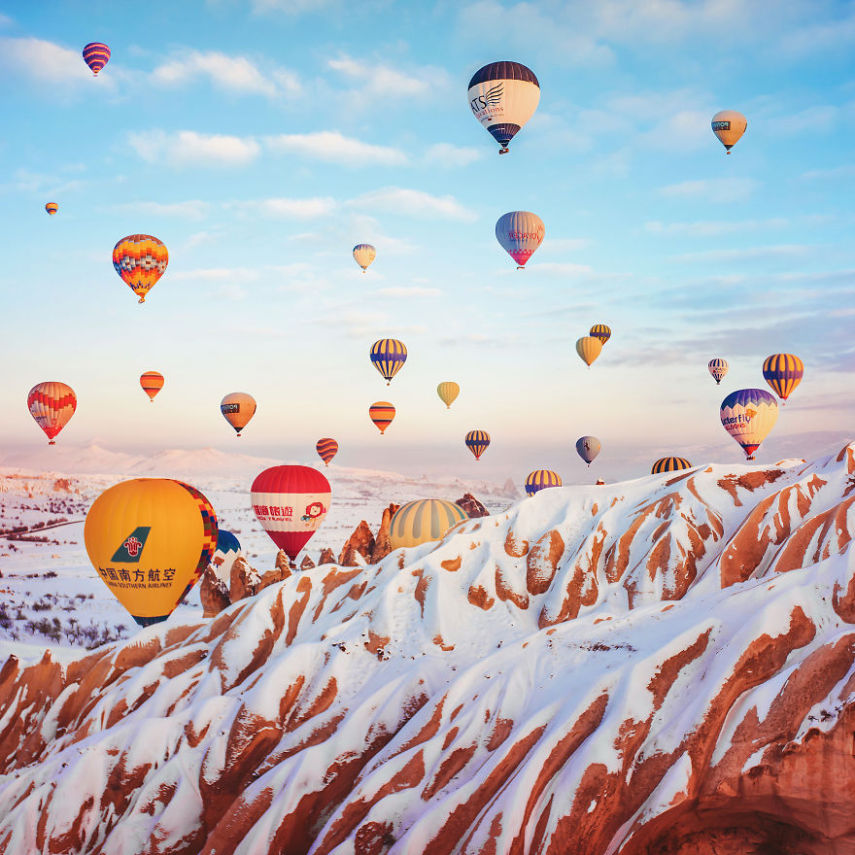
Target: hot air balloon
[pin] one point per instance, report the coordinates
(364, 254)
(150, 539)
(290, 502)
(152, 383)
(51, 404)
(237, 409)
(540, 479)
(227, 542)
(96, 55)
(589, 348)
(670, 464)
(602, 332)
(228, 549)
(729, 126)
(140, 260)
(51, 208)
(588, 447)
(388, 356)
(783, 372)
(520, 233)
(477, 442)
(381, 413)
(748, 415)
(503, 97)
(423, 521)
(718, 368)
(327, 448)
(448, 392)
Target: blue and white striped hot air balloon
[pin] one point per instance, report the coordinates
(718, 368)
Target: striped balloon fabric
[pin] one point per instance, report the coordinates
(381, 413)
(540, 479)
(388, 356)
(783, 372)
(477, 442)
(152, 383)
(52, 404)
(602, 332)
(670, 464)
(423, 520)
(327, 448)
(51, 208)
(748, 415)
(448, 392)
(140, 260)
(718, 368)
(96, 55)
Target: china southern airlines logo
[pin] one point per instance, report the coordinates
(131, 549)
(490, 98)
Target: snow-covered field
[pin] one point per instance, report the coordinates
(50, 595)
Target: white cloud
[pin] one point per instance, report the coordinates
(190, 148)
(412, 291)
(189, 210)
(708, 228)
(415, 203)
(333, 147)
(319, 206)
(754, 253)
(227, 275)
(380, 79)
(44, 62)
(562, 268)
(845, 171)
(233, 73)
(5, 20)
(446, 154)
(713, 189)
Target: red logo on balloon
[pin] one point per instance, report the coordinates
(133, 546)
(314, 510)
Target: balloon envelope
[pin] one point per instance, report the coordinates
(152, 383)
(589, 348)
(718, 368)
(588, 447)
(729, 126)
(423, 521)
(477, 442)
(364, 254)
(520, 233)
(670, 464)
(140, 260)
(237, 409)
(748, 415)
(448, 392)
(327, 448)
(150, 539)
(381, 413)
(783, 372)
(227, 542)
(291, 502)
(388, 356)
(96, 55)
(503, 97)
(51, 404)
(51, 208)
(540, 479)
(602, 332)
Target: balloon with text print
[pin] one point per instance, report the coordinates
(748, 415)
(520, 233)
(729, 126)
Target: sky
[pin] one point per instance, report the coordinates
(260, 140)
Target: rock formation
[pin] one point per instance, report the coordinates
(327, 556)
(360, 543)
(472, 506)
(383, 543)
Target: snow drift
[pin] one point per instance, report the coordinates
(661, 666)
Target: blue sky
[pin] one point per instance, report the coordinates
(262, 139)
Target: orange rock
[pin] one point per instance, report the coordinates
(214, 593)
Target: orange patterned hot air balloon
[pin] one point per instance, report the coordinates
(152, 383)
(237, 409)
(381, 413)
(52, 404)
(51, 208)
(140, 260)
(327, 448)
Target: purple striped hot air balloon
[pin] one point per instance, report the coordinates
(96, 55)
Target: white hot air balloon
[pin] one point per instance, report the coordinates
(503, 97)
(364, 254)
(520, 233)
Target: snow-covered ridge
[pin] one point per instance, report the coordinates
(663, 665)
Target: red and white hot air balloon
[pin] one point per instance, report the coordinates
(52, 404)
(291, 502)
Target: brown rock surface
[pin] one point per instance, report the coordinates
(327, 556)
(214, 593)
(472, 506)
(360, 542)
(383, 543)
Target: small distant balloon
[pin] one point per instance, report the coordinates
(748, 415)
(520, 233)
(477, 442)
(670, 464)
(541, 479)
(51, 208)
(448, 392)
(718, 368)
(602, 332)
(364, 254)
(588, 447)
(423, 521)
(51, 404)
(381, 413)
(783, 372)
(588, 348)
(388, 356)
(140, 261)
(96, 55)
(237, 409)
(503, 97)
(152, 383)
(729, 126)
(327, 448)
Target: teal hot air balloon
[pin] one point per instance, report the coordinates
(588, 447)
(388, 356)
(520, 233)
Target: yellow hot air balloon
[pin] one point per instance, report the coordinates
(149, 540)
(447, 392)
(423, 521)
(237, 409)
(364, 254)
(669, 464)
(748, 415)
(783, 372)
(729, 126)
(589, 348)
(152, 383)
